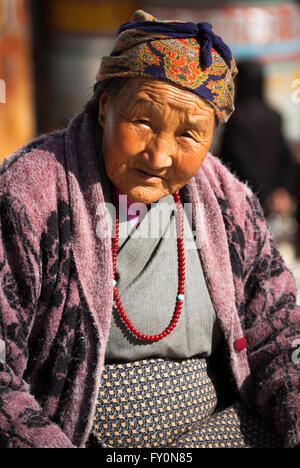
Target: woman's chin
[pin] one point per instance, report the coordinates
(145, 195)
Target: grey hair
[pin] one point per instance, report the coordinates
(111, 87)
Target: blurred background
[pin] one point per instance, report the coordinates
(50, 52)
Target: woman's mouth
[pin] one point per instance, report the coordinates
(151, 178)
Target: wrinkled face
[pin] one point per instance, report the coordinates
(155, 138)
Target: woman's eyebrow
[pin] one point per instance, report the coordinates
(145, 104)
(194, 120)
(198, 122)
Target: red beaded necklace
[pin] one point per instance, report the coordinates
(181, 275)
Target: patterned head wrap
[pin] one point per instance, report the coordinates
(187, 54)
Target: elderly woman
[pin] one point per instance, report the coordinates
(143, 302)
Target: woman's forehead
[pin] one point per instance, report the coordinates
(154, 94)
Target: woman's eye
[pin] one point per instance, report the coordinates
(143, 122)
(187, 135)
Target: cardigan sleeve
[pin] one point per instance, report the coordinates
(22, 423)
(271, 321)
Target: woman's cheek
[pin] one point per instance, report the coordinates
(191, 163)
(132, 140)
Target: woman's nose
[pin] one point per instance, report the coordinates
(160, 151)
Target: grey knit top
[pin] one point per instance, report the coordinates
(147, 281)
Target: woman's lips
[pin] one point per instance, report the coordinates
(148, 177)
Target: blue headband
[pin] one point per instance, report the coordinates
(202, 31)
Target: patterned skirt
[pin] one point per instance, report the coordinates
(171, 404)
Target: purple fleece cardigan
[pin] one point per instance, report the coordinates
(56, 291)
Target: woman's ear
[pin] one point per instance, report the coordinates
(103, 106)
